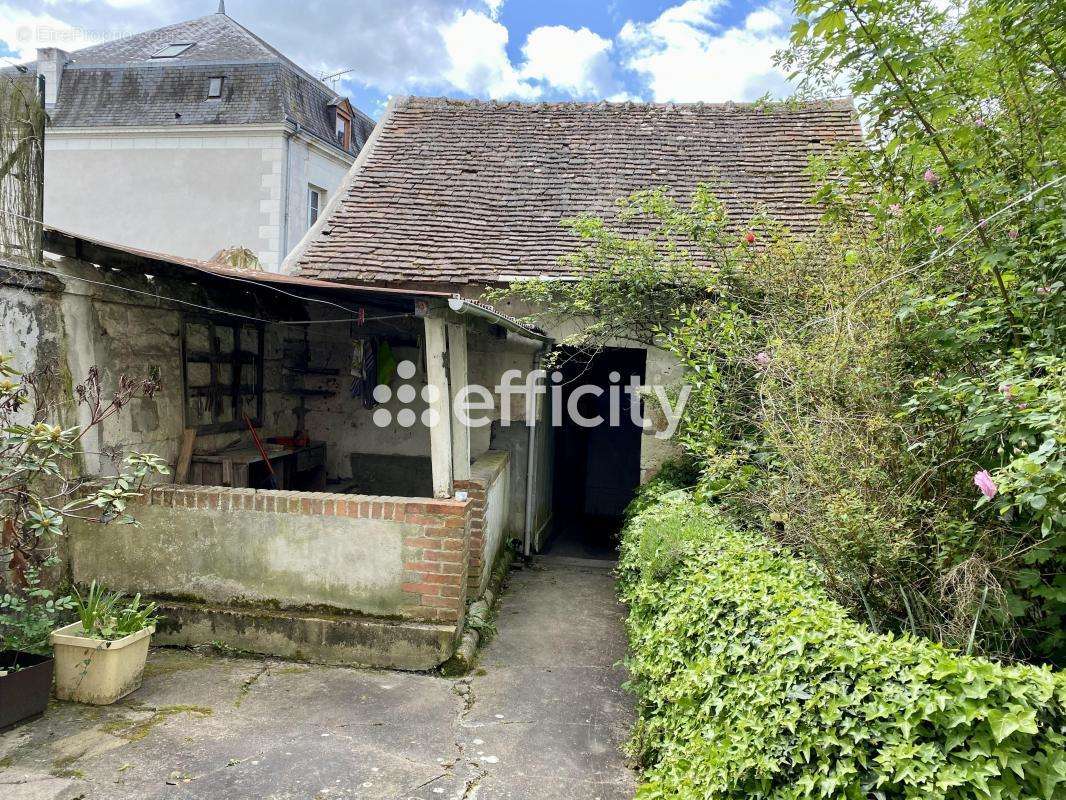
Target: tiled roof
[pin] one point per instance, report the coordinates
(457, 191)
(119, 83)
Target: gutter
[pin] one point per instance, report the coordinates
(462, 306)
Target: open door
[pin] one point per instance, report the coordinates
(597, 468)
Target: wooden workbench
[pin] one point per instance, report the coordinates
(297, 468)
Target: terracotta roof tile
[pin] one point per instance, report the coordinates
(473, 191)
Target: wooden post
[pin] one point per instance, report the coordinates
(440, 434)
(458, 373)
(181, 469)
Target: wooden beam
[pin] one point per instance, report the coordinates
(181, 469)
(458, 374)
(440, 434)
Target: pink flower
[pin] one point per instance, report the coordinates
(979, 122)
(1012, 233)
(896, 210)
(984, 482)
(762, 359)
(938, 230)
(1043, 290)
(931, 177)
(983, 223)
(1006, 389)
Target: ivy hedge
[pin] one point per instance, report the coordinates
(752, 683)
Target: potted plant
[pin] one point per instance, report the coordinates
(26, 663)
(42, 484)
(100, 658)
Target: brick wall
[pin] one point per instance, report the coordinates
(436, 535)
(484, 473)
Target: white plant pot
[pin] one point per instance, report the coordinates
(97, 671)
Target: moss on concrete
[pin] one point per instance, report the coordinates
(136, 731)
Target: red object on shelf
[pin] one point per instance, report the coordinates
(298, 439)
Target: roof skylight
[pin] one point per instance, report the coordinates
(172, 50)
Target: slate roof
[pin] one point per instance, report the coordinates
(119, 83)
(470, 191)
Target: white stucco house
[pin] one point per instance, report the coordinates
(192, 138)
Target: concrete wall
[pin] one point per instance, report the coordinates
(336, 578)
(188, 192)
(310, 164)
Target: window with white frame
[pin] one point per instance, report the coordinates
(214, 88)
(315, 200)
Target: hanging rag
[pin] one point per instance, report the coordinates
(355, 368)
(370, 372)
(386, 364)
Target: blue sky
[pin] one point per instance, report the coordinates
(711, 50)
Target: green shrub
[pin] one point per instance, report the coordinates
(752, 683)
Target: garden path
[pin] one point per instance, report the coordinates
(542, 717)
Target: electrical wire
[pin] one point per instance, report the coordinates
(228, 277)
(249, 317)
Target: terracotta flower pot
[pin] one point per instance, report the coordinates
(25, 688)
(98, 671)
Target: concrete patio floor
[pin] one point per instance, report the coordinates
(541, 718)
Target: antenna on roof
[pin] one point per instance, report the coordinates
(221, 6)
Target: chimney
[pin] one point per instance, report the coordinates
(50, 63)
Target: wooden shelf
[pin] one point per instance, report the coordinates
(313, 371)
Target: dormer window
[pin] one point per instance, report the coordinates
(343, 130)
(214, 88)
(173, 50)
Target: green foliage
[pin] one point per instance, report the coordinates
(966, 110)
(752, 683)
(26, 618)
(41, 486)
(885, 394)
(103, 615)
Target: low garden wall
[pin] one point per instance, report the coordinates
(337, 578)
(751, 682)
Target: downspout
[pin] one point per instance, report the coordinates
(531, 463)
(285, 190)
(462, 306)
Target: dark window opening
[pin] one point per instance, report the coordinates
(222, 372)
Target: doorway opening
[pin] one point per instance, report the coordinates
(596, 467)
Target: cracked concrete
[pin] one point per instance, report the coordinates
(541, 718)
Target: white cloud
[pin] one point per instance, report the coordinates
(575, 61)
(556, 59)
(23, 31)
(494, 7)
(478, 64)
(765, 19)
(686, 55)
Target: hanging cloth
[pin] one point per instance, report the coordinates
(386, 364)
(370, 372)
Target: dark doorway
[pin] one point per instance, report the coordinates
(597, 468)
